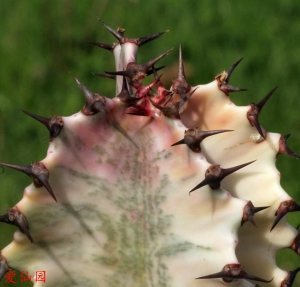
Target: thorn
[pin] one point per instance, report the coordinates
(15, 217)
(37, 171)
(95, 103)
(231, 69)
(284, 149)
(104, 75)
(4, 268)
(289, 279)
(125, 96)
(223, 80)
(117, 34)
(153, 70)
(215, 174)
(103, 46)
(234, 271)
(135, 72)
(285, 207)
(249, 211)
(180, 85)
(143, 40)
(253, 113)
(193, 138)
(54, 124)
(185, 98)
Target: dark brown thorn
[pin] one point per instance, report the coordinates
(194, 137)
(285, 207)
(4, 268)
(54, 124)
(104, 75)
(125, 96)
(94, 102)
(154, 70)
(231, 89)
(289, 279)
(127, 73)
(37, 171)
(224, 86)
(215, 174)
(143, 40)
(103, 46)
(151, 63)
(253, 113)
(117, 34)
(286, 137)
(234, 271)
(179, 142)
(135, 72)
(15, 217)
(180, 85)
(261, 104)
(185, 98)
(223, 80)
(231, 69)
(249, 211)
(284, 149)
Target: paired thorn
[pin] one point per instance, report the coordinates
(285, 207)
(37, 171)
(194, 137)
(284, 149)
(223, 80)
(94, 102)
(249, 211)
(255, 109)
(137, 72)
(15, 217)
(234, 271)
(289, 279)
(215, 174)
(4, 268)
(119, 35)
(54, 124)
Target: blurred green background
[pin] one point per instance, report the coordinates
(41, 41)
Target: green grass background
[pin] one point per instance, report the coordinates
(41, 41)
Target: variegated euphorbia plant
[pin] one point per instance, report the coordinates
(156, 187)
